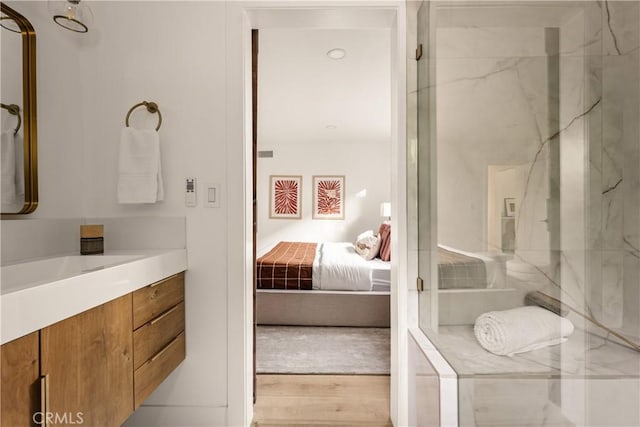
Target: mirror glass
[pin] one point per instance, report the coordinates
(18, 144)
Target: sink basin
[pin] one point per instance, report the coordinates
(28, 274)
(37, 293)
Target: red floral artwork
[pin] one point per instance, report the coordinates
(329, 197)
(286, 197)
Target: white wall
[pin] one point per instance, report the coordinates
(174, 54)
(367, 183)
(300, 92)
(187, 57)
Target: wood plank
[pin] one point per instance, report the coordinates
(20, 388)
(324, 385)
(318, 424)
(151, 374)
(153, 300)
(326, 409)
(89, 360)
(322, 400)
(150, 338)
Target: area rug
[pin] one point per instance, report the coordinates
(322, 350)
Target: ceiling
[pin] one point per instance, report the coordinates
(302, 93)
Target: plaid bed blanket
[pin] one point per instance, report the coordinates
(289, 265)
(458, 271)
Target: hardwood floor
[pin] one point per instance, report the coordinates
(322, 400)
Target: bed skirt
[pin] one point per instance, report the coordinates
(322, 308)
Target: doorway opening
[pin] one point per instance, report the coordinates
(303, 142)
(240, 298)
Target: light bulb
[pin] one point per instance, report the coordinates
(71, 11)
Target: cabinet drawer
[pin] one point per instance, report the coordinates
(155, 299)
(20, 398)
(148, 376)
(151, 337)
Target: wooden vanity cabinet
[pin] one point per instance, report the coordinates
(158, 335)
(87, 360)
(20, 388)
(96, 367)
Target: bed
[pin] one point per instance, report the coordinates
(327, 266)
(459, 269)
(329, 284)
(332, 266)
(465, 277)
(321, 284)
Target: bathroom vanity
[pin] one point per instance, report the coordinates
(96, 366)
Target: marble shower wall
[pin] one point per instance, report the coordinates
(575, 140)
(492, 110)
(578, 217)
(610, 58)
(615, 289)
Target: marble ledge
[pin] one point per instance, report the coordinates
(582, 356)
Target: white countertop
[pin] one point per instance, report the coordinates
(38, 293)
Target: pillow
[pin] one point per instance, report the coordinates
(385, 241)
(364, 234)
(367, 245)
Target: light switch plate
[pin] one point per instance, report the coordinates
(212, 196)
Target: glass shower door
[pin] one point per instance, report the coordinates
(528, 159)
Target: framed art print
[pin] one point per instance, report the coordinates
(328, 197)
(510, 207)
(285, 195)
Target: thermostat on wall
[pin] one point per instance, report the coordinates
(190, 193)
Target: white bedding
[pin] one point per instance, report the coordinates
(380, 275)
(338, 267)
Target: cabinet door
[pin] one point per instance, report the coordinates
(20, 388)
(89, 363)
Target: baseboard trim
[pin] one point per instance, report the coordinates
(177, 416)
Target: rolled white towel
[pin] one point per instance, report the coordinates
(521, 329)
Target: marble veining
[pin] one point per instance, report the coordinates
(583, 355)
(567, 127)
(546, 141)
(611, 31)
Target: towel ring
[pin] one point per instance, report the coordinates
(152, 108)
(14, 110)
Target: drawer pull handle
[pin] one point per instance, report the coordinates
(161, 352)
(44, 398)
(163, 315)
(153, 285)
(162, 282)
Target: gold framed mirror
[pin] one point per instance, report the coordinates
(19, 158)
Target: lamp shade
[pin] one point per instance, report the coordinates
(385, 209)
(71, 14)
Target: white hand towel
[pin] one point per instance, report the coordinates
(139, 167)
(8, 165)
(19, 147)
(521, 329)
